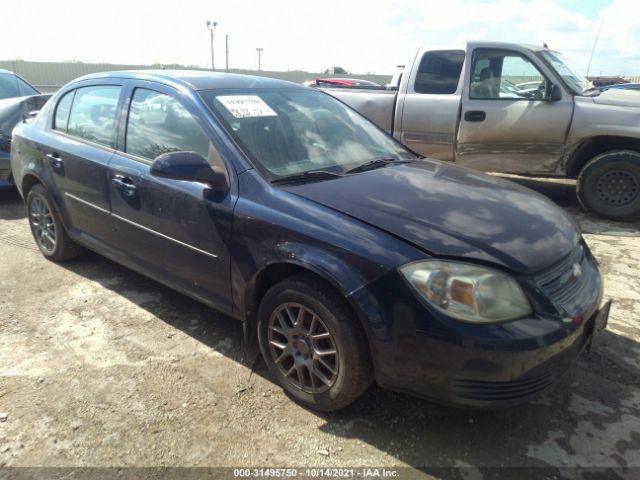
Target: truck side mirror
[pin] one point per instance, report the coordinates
(554, 94)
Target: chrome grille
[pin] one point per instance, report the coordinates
(565, 281)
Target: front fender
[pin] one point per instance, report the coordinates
(324, 263)
(594, 119)
(274, 227)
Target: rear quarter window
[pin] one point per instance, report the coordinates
(439, 72)
(61, 117)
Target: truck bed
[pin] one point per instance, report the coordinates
(377, 105)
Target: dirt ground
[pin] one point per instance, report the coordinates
(101, 367)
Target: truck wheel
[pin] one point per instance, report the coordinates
(609, 185)
(312, 344)
(47, 228)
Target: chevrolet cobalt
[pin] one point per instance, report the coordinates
(351, 259)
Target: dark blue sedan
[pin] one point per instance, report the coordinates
(350, 259)
(17, 100)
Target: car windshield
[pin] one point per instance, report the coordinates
(13, 86)
(575, 81)
(290, 132)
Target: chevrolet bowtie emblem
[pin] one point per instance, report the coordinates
(576, 270)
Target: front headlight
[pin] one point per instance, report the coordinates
(468, 292)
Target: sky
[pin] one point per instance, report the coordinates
(362, 36)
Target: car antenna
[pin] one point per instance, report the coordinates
(594, 47)
(545, 45)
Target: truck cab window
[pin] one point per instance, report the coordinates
(500, 74)
(439, 72)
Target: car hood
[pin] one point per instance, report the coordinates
(620, 97)
(451, 211)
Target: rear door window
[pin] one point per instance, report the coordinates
(159, 123)
(93, 114)
(439, 72)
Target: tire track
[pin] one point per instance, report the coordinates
(17, 241)
(17, 235)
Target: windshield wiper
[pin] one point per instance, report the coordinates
(309, 175)
(376, 163)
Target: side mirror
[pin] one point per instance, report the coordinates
(29, 116)
(555, 93)
(188, 166)
(32, 106)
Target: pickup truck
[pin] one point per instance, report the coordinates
(513, 108)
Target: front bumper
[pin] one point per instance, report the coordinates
(5, 166)
(546, 366)
(418, 351)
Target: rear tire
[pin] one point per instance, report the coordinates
(300, 321)
(47, 228)
(609, 185)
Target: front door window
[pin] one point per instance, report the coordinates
(502, 74)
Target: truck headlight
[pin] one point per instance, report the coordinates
(468, 292)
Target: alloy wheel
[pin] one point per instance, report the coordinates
(303, 348)
(43, 225)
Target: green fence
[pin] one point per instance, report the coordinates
(49, 76)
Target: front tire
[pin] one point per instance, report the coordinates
(312, 344)
(47, 228)
(609, 185)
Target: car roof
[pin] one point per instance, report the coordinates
(484, 44)
(196, 79)
(507, 45)
(2, 70)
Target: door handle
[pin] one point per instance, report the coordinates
(475, 116)
(55, 160)
(124, 184)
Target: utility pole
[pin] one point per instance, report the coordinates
(211, 26)
(259, 50)
(226, 47)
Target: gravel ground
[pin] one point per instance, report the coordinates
(101, 367)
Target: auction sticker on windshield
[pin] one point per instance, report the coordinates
(246, 106)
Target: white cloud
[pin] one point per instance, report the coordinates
(359, 35)
(619, 46)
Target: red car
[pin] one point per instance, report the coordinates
(340, 82)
